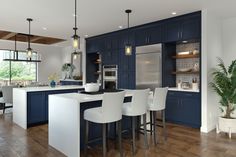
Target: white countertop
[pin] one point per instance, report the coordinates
(85, 97)
(47, 88)
(182, 90)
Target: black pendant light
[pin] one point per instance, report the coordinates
(128, 46)
(75, 37)
(29, 51)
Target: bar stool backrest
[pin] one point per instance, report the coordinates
(139, 101)
(112, 106)
(159, 99)
(7, 93)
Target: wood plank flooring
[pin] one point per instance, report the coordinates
(181, 142)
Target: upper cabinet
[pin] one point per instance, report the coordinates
(182, 28)
(148, 35)
(94, 45)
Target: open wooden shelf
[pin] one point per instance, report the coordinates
(189, 72)
(185, 56)
(98, 73)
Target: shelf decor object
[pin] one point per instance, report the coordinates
(128, 46)
(75, 37)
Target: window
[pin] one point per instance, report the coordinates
(16, 72)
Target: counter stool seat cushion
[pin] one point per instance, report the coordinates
(127, 109)
(94, 115)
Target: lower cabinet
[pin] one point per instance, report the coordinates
(75, 82)
(184, 108)
(37, 105)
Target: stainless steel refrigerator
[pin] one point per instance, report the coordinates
(148, 66)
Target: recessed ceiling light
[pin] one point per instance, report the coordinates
(173, 13)
(184, 41)
(86, 35)
(120, 27)
(44, 28)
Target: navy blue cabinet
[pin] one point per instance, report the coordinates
(126, 37)
(110, 57)
(183, 28)
(37, 105)
(184, 108)
(148, 35)
(94, 45)
(71, 82)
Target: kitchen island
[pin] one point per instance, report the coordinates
(30, 104)
(66, 122)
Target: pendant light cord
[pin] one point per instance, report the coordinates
(75, 16)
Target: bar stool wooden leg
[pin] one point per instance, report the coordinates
(133, 135)
(145, 130)
(151, 121)
(155, 133)
(104, 149)
(86, 137)
(120, 138)
(164, 124)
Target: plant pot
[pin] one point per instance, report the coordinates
(226, 125)
(52, 84)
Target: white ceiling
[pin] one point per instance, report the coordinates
(97, 16)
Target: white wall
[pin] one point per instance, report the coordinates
(211, 49)
(51, 57)
(229, 41)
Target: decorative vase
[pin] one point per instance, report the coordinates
(52, 84)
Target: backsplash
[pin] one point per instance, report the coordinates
(187, 63)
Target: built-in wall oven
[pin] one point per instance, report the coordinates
(110, 76)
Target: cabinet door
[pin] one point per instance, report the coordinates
(173, 112)
(191, 28)
(110, 57)
(155, 34)
(172, 30)
(141, 37)
(125, 38)
(36, 107)
(126, 63)
(191, 110)
(111, 42)
(94, 45)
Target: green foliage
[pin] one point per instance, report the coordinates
(224, 84)
(19, 71)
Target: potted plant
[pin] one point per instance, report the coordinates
(224, 84)
(68, 68)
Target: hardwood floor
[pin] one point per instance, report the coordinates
(181, 142)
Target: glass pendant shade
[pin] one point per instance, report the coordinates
(75, 41)
(128, 50)
(29, 52)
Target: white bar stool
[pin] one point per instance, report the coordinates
(158, 104)
(111, 111)
(137, 107)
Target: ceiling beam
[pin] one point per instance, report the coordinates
(8, 36)
(35, 39)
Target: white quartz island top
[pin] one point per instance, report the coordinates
(182, 90)
(48, 88)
